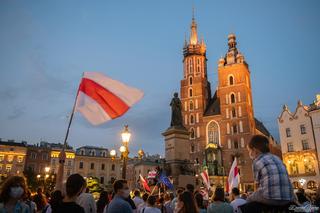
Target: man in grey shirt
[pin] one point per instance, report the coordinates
(118, 204)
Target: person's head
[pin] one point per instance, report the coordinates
(199, 200)
(121, 188)
(152, 200)
(75, 185)
(13, 187)
(235, 192)
(186, 202)
(179, 191)
(167, 197)
(145, 197)
(219, 194)
(244, 196)
(137, 193)
(39, 191)
(257, 145)
(56, 197)
(28, 194)
(190, 187)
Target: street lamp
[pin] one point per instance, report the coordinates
(47, 169)
(113, 154)
(124, 149)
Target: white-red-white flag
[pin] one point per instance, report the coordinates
(144, 183)
(101, 98)
(205, 178)
(233, 179)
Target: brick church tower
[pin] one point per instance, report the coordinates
(195, 90)
(237, 119)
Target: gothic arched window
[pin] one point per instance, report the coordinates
(234, 112)
(233, 98)
(213, 133)
(190, 92)
(192, 133)
(235, 144)
(191, 105)
(190, 81)
(234, 128)
(191, 119)
(231, 80)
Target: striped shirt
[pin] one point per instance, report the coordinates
(272, 177)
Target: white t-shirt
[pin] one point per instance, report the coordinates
(150, 209)
(87, 202)
(137, 201)
(237, 202)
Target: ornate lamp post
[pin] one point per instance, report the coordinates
(124, 149)
(113, 154)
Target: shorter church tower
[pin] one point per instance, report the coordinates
(237, 116)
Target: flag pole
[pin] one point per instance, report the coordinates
(62, 155)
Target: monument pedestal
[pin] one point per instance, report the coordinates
(177, 155)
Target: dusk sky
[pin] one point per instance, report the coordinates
(46, 45)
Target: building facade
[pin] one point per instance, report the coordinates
(93, 161)
(298, 145)
(38, 158)
(12, 158)
(220, 123)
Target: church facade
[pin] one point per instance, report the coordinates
(220, 122)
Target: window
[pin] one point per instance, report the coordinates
(190, 81)
(228, 128)
(191, 119)
(113, 167)
(192, 148)
(68, 172)
(102, 180)
(240, 126)
(1, 157)
(191, 105)
(290, 147)
(213, 133)
(8, 168)
(103, 154)
(190, 92)
(81, 165)
(242, 143)
(305, 145)
(309, 165)
(233, 99)
(82, 152)
(102, 166)
(234, 128)
(53, 161)
(69, 163)
(288, 132)
(235, 144)
(303, 129)
(20, 159)
(229, 143)
(234, 112)
(192, 134)
(10, 158)
(293, 167)
(92, 166)
(45, 156)
(93, 153)
(231, 80)
(240, 112)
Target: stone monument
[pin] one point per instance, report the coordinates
(177, 147)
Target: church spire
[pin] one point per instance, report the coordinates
(194, 34)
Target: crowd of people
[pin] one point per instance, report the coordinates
(274, 193)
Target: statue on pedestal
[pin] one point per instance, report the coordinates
(176, 116)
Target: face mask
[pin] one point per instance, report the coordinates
(16, 191)
(126, 193)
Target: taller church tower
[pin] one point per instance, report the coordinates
(195, 90)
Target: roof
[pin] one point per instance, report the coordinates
(11, 143)
(260, 126)
(213, 107)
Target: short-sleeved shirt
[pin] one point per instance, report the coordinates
(272, 177)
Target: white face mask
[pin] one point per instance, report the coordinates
(16, 191)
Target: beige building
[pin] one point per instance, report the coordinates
(12, 158)
(314, 112)
(299, 150)
(93, 161)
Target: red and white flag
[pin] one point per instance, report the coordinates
(205, 178)
(101, 98)
(144, 183)
(233, 179)
(152, 174)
